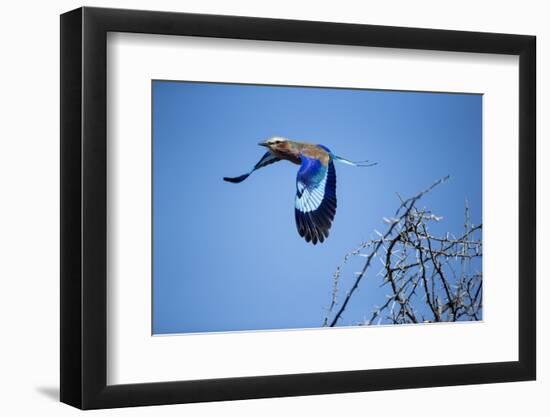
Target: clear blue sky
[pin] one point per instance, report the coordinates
(228, 257)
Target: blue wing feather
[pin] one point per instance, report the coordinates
(315, 203)
(267, 159)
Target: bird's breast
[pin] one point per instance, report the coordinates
(288, 156)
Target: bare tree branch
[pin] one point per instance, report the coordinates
(412, 257)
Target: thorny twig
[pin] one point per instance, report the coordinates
(412, 257)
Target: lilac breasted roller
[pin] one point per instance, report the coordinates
(315, 202)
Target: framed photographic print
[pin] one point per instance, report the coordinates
(258, 207)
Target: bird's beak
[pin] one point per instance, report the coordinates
(263, 143)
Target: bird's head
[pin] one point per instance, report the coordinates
(276, 143)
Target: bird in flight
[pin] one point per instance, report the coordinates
(315, 202)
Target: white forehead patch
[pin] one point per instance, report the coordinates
(276, 139)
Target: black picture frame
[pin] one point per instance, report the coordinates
(84, 207)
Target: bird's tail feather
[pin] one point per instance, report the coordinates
(362, 164)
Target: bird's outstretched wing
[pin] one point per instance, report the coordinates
(267, 159)
(315, 204)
